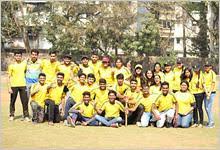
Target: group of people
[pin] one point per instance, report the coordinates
(94, 93)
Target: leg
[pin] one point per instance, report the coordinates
(145, 118)
(40, 114)
(50, 106)
(170, 114)
(200, 101)
(179, 120)
(186, 120)
(34, 107)
(139, 112)
(161, 122)
(102, 120)
(56, 114)
(13, 100)
(195, 110)
(28, 89)
(69, 103)
(115, 120)
(209, 103)
(24, 100)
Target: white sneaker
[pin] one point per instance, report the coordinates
(65, 123)
(11, 118)
(27, 119)
(138, 124)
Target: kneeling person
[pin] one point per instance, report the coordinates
(83, 112)
(112, 110)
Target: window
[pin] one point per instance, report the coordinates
(178, 40)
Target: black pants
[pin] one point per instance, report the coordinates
(24, 100)
(135, 116)
(53, 111)
(199, 100)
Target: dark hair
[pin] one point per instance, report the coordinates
(157, 63)
(52, 52)
(184, 81)
(149, 81)
(34, 51)
(120, 76)
(17, 52)
(112, 91)
(91, 75)
(164, 83)
(183, 76)
(94, 53)
(133, 79)
(135, 75)
(86, 93)
(119, 58)
(102, 80)
(81, 74)
(41, 74)
(60, 74)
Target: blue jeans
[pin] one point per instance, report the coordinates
(184, 120)
(79, 117)
(145, 118)
(69, 103)
(108, 122)
(208, 107)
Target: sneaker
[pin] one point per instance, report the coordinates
(194, 125)
(210, 125)
(27, 119)
(71, 121)
(138, 124)
(50, 123)
(200, 126)
(11, 118)
(65, 123)
(114, 125)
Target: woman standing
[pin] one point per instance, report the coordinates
(158, 71)
(186, 104)
(138, 75)
(177, 73)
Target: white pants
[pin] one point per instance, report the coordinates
(164, 116)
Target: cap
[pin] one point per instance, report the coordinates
(196, 67)
(207, 64)
(83, 57)
(167, 64)
(179, 61)
(139, 66)
(105, 59)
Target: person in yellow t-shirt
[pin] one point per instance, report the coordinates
(49, 67)
(95, 63)
(106, 72)
(121, 69)
(210, 92)
(38, 94)
(147, 102)
(76, 91)
(186, 104)
(101, 94)
(112, 110)
(91, 85)
(70, 69)
(120, 87)
(83, 111)
(197, 89)
(169, 75)
(149, 77)
(162, 108)
(84, 66)
(155, 89)
(187, 75)
(177, 73)
(139, 76)
(132, 98)
(17, 84)
(55, 100)
(158, 71)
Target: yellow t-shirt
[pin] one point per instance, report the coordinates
(95, 68)
(164, 103)
(138, 81)
(194, 81)
(88, 111)
(177, 73)
(106, 73)
(91, 89)
(101, 96)
(112, 110)
(161, 74)
(77, 90)
(56, 93)
(16, 71)
(123, 70)
(184, 99)
(66, 70)
(155, 91)
(210, 78)
(120, 89)
(86, 70)
(41, 95)
(134, 97)
(169, 77)
(147, 103)
(50, 69)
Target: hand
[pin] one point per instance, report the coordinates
(157, 117)
(126, 111)
(129, 65)
(81, 111)
(126, 99)
(10, 91)
(84, 123)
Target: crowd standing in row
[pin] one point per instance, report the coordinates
(95, 93)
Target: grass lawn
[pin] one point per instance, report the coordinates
(19, 134)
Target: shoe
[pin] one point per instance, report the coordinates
(194, 125)
(200, 126)
(114, 125)
(65, 123)
(50, 123)
(211, 125)
(138, 124)
(27, 119)
(11, 118)
(71, 121)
